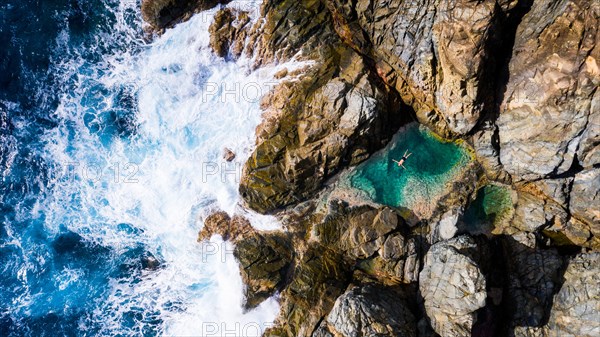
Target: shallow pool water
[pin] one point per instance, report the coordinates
(492, 204)
(433, 164)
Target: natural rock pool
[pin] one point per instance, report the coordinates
(434, 163)
(492, 205)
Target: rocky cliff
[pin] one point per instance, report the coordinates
(517, 81)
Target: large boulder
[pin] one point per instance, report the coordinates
(452, 286)
(371, 311)
(433, 52)
(576, 307)
(549, 115)
(334, 116)
(374, 239)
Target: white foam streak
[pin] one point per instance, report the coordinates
(191, 105)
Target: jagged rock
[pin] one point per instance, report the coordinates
(315, 126)
(550, 108)
(485, 143)
(374, 238)
(319, 278)
(397, 261)
(264, 257)
(576, 307)
(585, 198)
(359, 234)
(453, 286)
(164, 13)
(228, 32)
(264, 262)
(221, 223)
(290, 28)
(371, 311)
(322, 331)
(433, 52)
(533, 277)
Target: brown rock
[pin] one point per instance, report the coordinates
(228, 155)
(165, 13)
(228, 32)
(230, 229)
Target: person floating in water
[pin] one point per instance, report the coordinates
(401, 161)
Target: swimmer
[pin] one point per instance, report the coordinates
(401, 161)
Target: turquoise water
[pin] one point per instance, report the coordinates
(432, 165)
(492, 203)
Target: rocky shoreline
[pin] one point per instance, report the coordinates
(517, 81)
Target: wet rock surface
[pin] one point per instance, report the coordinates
(160, 14)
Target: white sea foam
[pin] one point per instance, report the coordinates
(162, 179)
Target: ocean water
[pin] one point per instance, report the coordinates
(427, 171)
(110, 157)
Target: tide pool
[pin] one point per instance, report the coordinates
(433, 164)
(492, 204)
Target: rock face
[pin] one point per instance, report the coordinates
(530, 108)
(453, 287)
(371, 311)
(549, 115)
(264, 258)
(319, 278)
(264, 263)
(164, 13)
(334, 115)
(534, 275)
(374, 238)
(228, 32)
(432, 52)
(576, 307)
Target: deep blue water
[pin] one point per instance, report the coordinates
(52, 282)
(112, 251)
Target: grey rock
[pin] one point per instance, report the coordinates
(453, 287)
(371, 311)
(585, 198)
(432, 52)
(550, 112)
(576, 308)
(533, 276)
